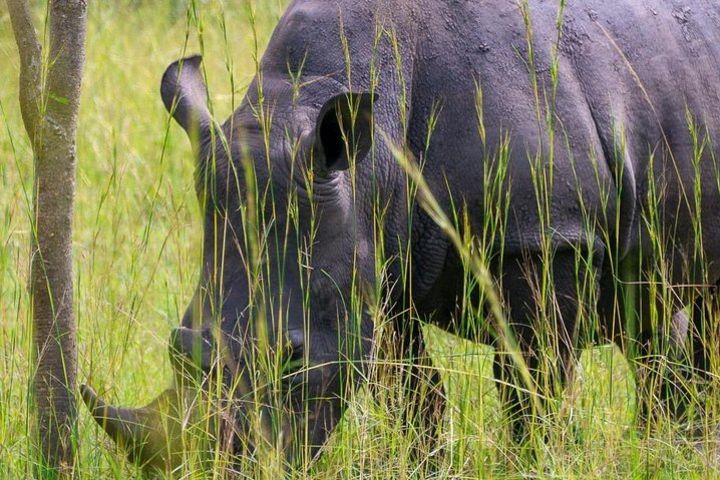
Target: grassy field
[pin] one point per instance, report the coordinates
(137, 258)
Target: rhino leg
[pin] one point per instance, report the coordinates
(424, 391)
(546, 334)
(704, 332)
(672, 366)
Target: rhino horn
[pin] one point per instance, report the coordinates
(138, 431)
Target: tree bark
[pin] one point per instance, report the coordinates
(49, 105)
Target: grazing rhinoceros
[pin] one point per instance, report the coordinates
(576, 147)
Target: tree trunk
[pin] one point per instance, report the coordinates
(50, 112)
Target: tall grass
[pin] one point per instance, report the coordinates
(137, 250)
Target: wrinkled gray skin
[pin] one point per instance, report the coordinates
(624, 65)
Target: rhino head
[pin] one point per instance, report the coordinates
(287, 241)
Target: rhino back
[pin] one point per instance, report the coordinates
(623, 66)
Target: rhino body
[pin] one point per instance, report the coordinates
(616, 113)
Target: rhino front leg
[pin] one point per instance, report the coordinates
(424, 391)
(543, 318)
(422, 401)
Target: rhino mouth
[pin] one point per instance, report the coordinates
(248, 417)
(153, 436)
(192, 355)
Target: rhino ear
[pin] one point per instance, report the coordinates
(343, 133)
(185, 96)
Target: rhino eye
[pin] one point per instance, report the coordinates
(293, 359)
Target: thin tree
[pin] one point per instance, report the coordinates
(50, 82)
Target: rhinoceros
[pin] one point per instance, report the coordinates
(571, 148)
